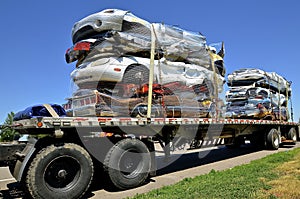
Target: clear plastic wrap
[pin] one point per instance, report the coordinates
(114, 64)
(254, 93)
(258, 77)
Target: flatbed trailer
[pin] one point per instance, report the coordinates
(64, 152)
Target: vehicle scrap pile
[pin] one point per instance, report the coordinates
(112, 49)
(254, 93)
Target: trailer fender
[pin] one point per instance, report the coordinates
(21, 164)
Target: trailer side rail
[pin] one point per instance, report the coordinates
(50, 122)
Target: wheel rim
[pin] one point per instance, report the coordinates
(130, 164)
(136, 75)
(293, 135)
(142, 110)
(62, 173)
(276, 140)
(294, 138)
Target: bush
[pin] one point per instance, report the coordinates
(7, 134)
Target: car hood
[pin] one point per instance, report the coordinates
(109, 19)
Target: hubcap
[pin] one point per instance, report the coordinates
(276, 141)
(62, 173)
(130, 164)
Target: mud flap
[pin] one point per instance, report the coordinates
(26, 155)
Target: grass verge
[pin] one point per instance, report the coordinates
(275, 176)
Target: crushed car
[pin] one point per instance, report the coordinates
(246, 92)
(259, 78)
(249, 108)
(127, 33)
(108, 19)
(129, 39)
(166, 103)
(135, 70)
(112, 50)
(256, 94)
(256, 109)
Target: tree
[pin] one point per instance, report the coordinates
(7, 134)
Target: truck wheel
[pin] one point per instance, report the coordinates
(273, 139)
(292, 135)
(62, 171)
(140, 111)
(127, 164)
(136, 74)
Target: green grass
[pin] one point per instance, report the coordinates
(254, 180)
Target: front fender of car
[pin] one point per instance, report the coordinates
(109, 19)
(106, 69)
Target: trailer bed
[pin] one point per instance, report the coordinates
(149, 127)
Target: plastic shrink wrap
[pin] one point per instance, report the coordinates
(112, 50)
(254, 93)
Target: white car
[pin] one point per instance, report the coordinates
(98, 24)
(113, 46)
(117, 32)
(109, 19)
(135, 70)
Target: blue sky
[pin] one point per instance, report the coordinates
(35, 35)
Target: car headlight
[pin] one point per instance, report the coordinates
(98, 23)
(100, 62)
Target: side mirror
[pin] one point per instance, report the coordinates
(221, 53)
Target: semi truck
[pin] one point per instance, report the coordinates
(66, 152)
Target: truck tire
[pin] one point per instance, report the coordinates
(127, 164)
(292, 135)
(273, 139)
(63, 171)
(140, 110)
(136, 74)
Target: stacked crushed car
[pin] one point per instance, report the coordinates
(254, 93)
(112, 49)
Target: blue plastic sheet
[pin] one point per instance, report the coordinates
(39, 111)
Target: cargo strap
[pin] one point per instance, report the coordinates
(51, 110)
(151, 72)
